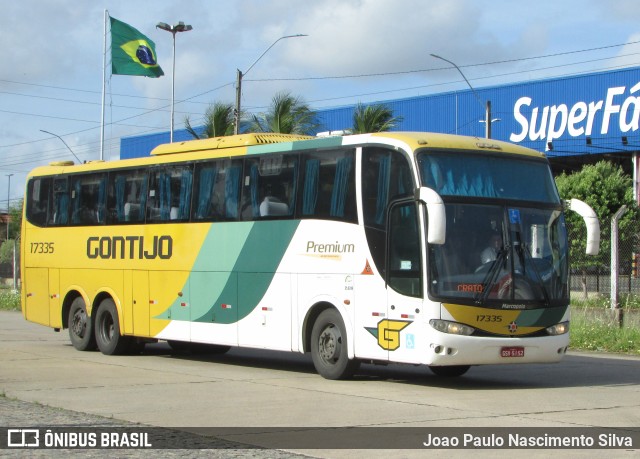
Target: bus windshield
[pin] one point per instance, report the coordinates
(487, 176)
(506, 240)
(501, 256)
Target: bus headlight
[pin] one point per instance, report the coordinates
(558, 329)
(453, 328)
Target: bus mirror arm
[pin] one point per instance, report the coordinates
(591, 220)
(437, 225)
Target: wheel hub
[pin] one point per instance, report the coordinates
(330, 344)
(79, 324)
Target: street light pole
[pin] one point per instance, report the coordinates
(239, 75)
(179, 27)
(486, 107)
(65, 144)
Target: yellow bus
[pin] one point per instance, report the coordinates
(421, 248)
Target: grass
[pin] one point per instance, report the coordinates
(9, 301)
(591, 332)
(592, 327)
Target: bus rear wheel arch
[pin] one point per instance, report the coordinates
(107, 329)
(329, 346)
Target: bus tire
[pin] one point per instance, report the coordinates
(80, 326)
(452, 371)
(329, 347)
(108, 337)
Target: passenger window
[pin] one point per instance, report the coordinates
(169, 196)
(386, 175)
(328, 186)
(217, 190)
(88, 197)
(59, 204)
(269, 189)
(37, 200)
(127, 196)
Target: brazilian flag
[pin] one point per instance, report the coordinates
(132, 53)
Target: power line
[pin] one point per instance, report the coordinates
(190, 99)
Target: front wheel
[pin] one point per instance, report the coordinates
(80, 327)
(329, 347)
(108, 337)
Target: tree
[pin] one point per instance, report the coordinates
(374, 118)
(15, 227)
(287, 115)
(219, 121)
(605, 187)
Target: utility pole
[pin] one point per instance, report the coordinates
(239, 75)
(487, 106)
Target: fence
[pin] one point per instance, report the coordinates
(592, 275)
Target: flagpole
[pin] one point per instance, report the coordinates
(104, 83)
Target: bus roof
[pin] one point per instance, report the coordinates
(257, 143)
(232, 141)
(414, 140)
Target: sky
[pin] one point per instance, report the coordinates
(354, 51)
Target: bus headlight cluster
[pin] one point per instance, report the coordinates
(558, 329)
(453, 328)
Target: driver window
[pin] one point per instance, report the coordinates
(405, 267)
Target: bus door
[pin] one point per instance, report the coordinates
(55, 310)
(136, 314)
(36, 286)
(169, 300)
(401, 331)
(214, 317)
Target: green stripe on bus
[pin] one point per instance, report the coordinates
(223, 293)
(328, 142)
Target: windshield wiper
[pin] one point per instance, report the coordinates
(491, 276)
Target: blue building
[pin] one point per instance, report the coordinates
(575, 120)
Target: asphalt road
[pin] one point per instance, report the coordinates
(45, 381)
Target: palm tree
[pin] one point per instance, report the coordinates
(219, 121)
(287, 115)
(374, 118)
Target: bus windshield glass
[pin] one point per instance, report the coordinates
(501, 256)
(506, 240)
(487, 176)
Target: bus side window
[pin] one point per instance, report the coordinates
(127, 196)
(217, 190)
(328, 186)
(88, 196)
(59, 205)
(37, 200)
(386, 175)
(170, 193)
(270, 184)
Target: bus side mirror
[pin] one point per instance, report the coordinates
(591, 220)
(437, 225)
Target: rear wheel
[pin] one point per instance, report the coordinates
(80, 327)
(108, 337)
(329, 347)
(450, 371)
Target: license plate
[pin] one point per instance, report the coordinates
(514, 351)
